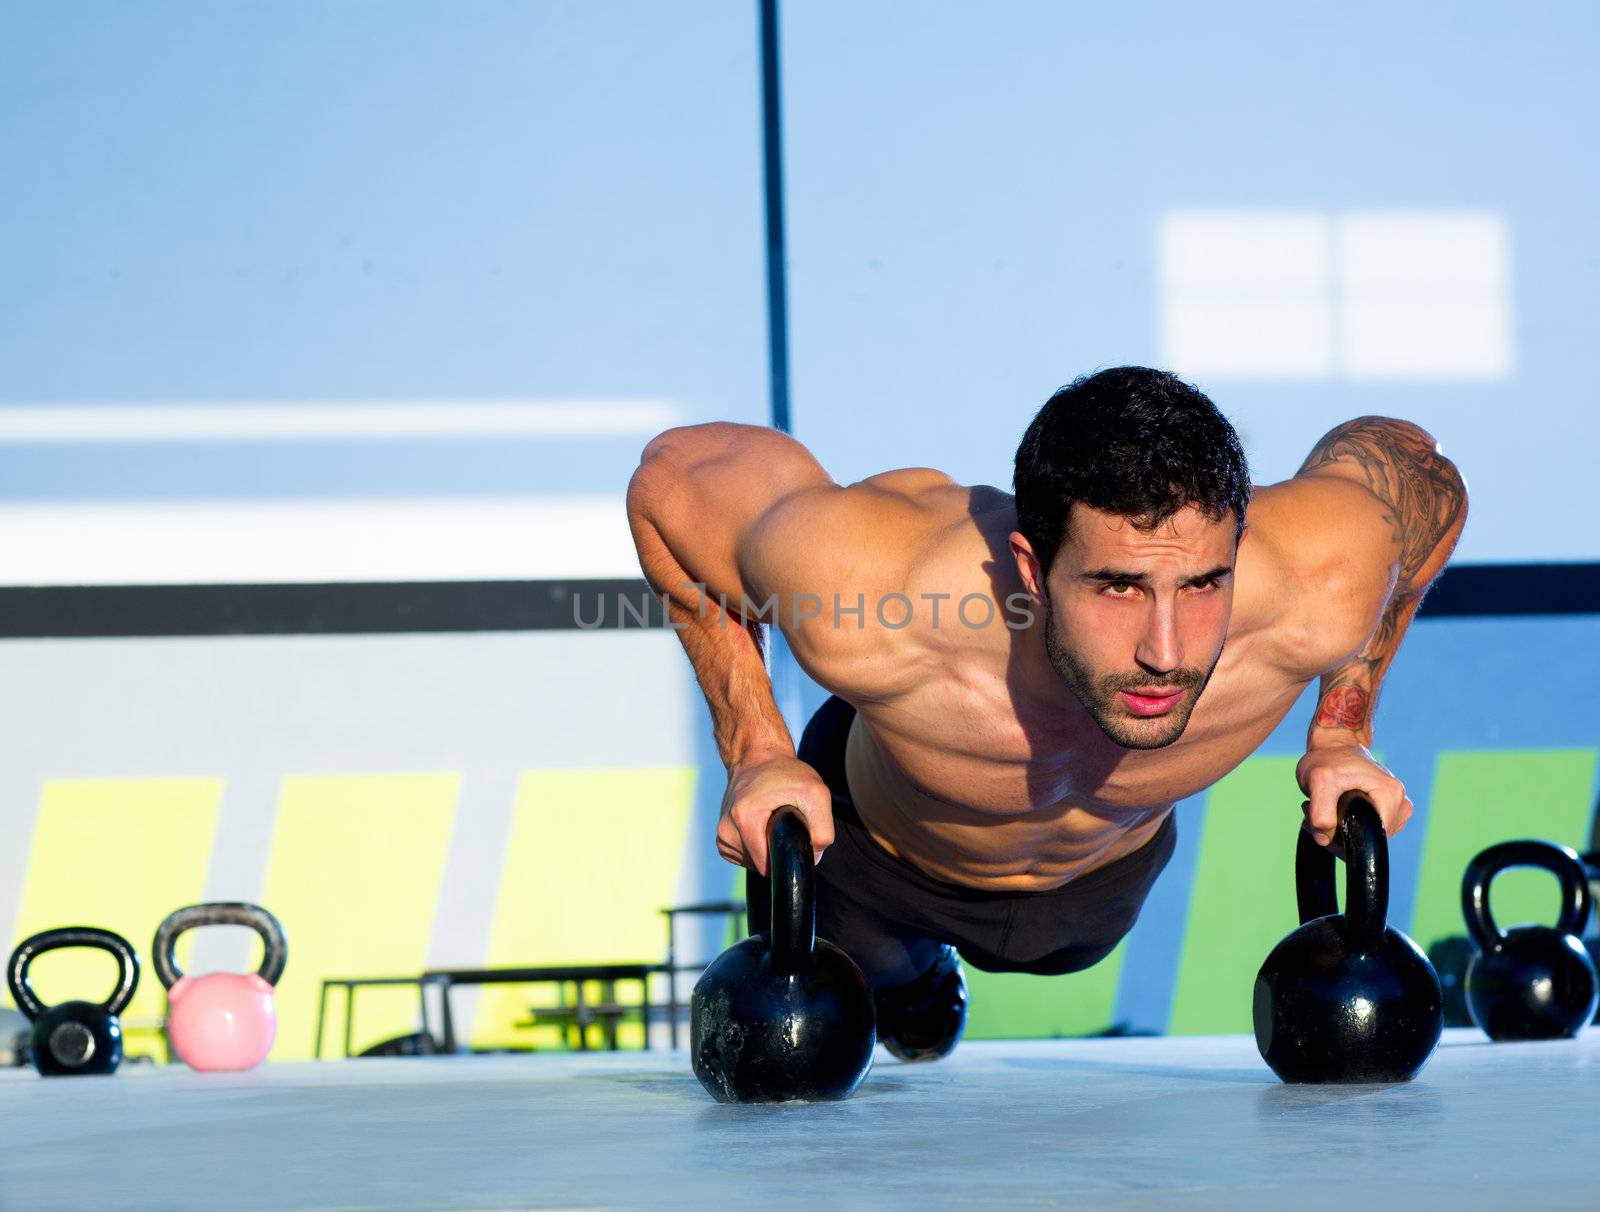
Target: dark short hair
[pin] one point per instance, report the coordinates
(1131, 441)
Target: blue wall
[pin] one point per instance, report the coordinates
(284, 202)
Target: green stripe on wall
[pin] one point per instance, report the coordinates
(1015, 1005)
(1243, 900)
(1480, 798)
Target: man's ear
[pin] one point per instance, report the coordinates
(1028, 566)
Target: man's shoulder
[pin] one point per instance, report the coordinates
(912, 483)
(843, 564)
(834, 525)
(877, 527)
(1316, 570)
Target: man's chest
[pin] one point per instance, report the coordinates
(973, 749)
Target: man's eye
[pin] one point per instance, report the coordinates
(1119, 589)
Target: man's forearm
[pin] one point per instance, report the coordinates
(726, 654)
(1425, 500)
(1348, 695)
(723, 648)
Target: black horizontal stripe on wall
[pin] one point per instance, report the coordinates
(338, 609)
(1514, 589)
(80, 612)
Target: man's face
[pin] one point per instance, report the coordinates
(1135, 619)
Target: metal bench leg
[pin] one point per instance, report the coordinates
(322, 1013)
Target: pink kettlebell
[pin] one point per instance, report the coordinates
(223, 1020)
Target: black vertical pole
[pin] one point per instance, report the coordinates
(785, 673)
(772, 174)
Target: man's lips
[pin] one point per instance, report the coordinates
(1150, 700)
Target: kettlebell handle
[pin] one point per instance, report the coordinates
(1560, 861)
(32, 947)
(1366, 879)
(275, 947)
(794, 893)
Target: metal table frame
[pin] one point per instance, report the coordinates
(350, 984)
(577, 975)
(445, 979)
(732, 910)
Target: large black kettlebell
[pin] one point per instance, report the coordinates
(1345, 997)
(75, 1037)
(1529, 982)
(783, 1015)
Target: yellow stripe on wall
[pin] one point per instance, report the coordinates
(354, 877)
(121, 854)
(593, 856)
(1014, 1005)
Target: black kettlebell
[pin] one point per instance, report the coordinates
(1449, 957)
(1591, 942)
(1345, 997)
(74, 1038)
(783, 1015)
(1529, 982)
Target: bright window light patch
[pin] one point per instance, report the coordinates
(1425, 295)
(1419, 295)
(1245, 294)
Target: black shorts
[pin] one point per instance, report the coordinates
(892, 918)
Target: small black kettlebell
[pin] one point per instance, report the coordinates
(1529, 982)
(1345, 997)
(783, 1015)
(1591, 942)
(74, 1038)
(1449, 957)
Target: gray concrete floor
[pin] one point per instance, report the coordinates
(1137, 1123)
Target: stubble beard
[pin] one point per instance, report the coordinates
(1099, 695)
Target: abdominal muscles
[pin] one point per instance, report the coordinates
(1008, 822)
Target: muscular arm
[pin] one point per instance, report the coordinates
(1423, 500)
(734, 524)
(696, 497)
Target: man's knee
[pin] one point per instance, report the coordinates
(1055, 963)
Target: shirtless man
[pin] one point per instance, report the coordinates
(1025, 684)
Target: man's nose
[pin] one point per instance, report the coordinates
(1159, 650)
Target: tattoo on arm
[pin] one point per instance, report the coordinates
(1344, 706)
(1349, 693)
(1425, 501)
(1421, 489)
